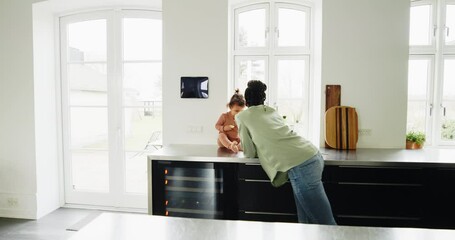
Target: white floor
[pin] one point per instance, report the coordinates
(50, 227)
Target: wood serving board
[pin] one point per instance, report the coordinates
(332, 98)
(341, 127)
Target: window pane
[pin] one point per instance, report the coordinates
(291, 89)
(87, 41)
(450, 23)
(89, 128)
(136, 172)
(292, 27)
(252, 25)
(448, 121)
(87, 84)
(449, 79)
(90, 170)
(143, 128)
(416, 116)
(250, 70)
(420, 29)
(142, 83)
(418, 72)
(142, 39)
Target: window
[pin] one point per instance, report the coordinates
(111, 104)
(272, 44)
(431, 74)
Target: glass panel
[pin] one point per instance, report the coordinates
(418, 73)
(90, 170)
(252, 25)
(291, 89)
(87, 41)
(142, 39)
(292, 27)
(136, 172)
(143, 128)
(450, 23)
(87, 84)
(89, 128)
(416, 116)
(448, 121)
(420, 29)
(250, 70)
(449, 79)
(142, 83)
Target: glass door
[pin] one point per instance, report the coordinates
(111, 105)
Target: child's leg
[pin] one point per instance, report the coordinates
(223, 141)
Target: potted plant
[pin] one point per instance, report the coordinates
(415, 140)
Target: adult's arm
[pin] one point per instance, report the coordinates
(249, 149)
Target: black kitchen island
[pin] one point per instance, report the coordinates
(366, 187)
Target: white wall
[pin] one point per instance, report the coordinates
(195, 44)
(46, 134)
(28, 131)
(17, 135)
(365, 50)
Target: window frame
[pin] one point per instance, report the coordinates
(289, 50)
(431, 48)
(448, 49)
(252, 50)
(429, 109)
(275, 53)
(438, 52)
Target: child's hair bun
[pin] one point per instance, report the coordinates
(237, 91)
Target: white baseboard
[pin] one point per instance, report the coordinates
(104, 208)
(18, 205)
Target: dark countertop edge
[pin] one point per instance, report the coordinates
(361, 157)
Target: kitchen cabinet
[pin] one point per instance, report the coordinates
(366, 187)
(376, 196)
(259, 200)
(440, 204)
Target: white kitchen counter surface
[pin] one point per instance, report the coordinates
(119, 226)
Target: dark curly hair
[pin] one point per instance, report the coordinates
(255, 93)
(237, 99)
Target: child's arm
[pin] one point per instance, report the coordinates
(220, 125)
(224, 140)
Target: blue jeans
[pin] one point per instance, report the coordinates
(312, 203)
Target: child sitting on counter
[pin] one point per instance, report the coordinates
(228, 131)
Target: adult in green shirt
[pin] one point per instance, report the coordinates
(284, 155)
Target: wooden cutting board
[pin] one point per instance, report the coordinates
(341, 127)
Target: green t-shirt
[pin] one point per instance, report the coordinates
(264, 134)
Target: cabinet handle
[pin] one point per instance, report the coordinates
(252, 164)
(378, 217)
(376, 167)
(256, 180)
(382, 184)
(270, 213)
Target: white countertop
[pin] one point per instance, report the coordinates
(119, 226)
